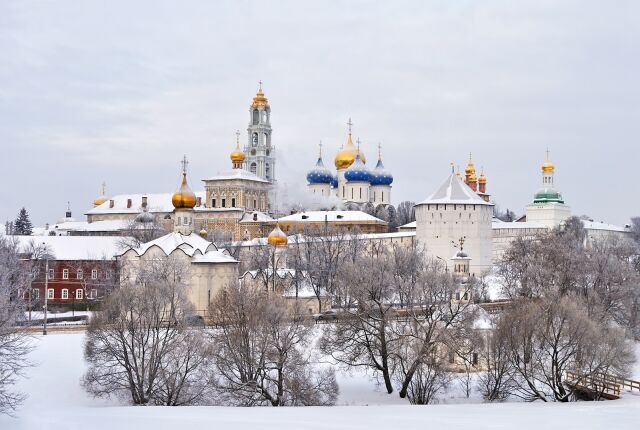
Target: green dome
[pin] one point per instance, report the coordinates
(548, 195)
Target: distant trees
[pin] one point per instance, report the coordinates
(14, 345)
(405, 213)
(261, 352)
(22, 225)
(507, 216)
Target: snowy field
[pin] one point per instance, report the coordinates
(57, 401)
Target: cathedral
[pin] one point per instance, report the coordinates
(354, 184)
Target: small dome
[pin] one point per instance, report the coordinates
(184, 198)
(380, 176)
(237, 155)
(358, 172)
(100, 200)
(470, 169)
(348, 154)
(320, 174)
(145, 217)
(277, 237)
(548, 195)
(482, 179)
(260, 101)
(548, 167)
(203, 233)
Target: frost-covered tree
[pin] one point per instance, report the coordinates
(405, 213)
(262, 352)
(140, 346)
(22, 225)
(14, 344)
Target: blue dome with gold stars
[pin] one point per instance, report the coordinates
(320, 174)
(357, 172)
(380, 176)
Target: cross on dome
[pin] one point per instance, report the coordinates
(184, 163)
(349, 123)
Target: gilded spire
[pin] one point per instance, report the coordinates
(237, 156)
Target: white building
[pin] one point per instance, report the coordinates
(452, 213)
(548, 206)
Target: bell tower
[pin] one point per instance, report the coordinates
(260, 154)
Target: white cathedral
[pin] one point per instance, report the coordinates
(353, 182)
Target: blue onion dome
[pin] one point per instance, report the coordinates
(334, 182)
(380, 176)
(320, 174)
(358, 172)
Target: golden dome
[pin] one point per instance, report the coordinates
(347, 155)
(102, 198)
(237, 156)
(547, 166)
(184, 198)
(260, 100)
(482, 179)
(203, 233)
(470, 170)
(277, 237)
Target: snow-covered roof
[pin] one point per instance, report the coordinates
(236, 174)
(593, 225)
(259, 217)
(305, 287)
(74, 247)
(200, 249)
(454, 191)
(409, 226)
(156, 203)
(331, 216)
(96, 226)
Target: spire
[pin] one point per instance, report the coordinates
(184, 163)
(320, 150)
(379, 151)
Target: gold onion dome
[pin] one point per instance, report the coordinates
(482, 179)
(102, 198)
(203, 233)
(184, 198)
(470, 170)
(347, 155)
(237, 155)
(277, 237)
(260, 100)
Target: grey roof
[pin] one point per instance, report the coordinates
(454, 191)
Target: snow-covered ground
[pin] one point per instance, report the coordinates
(57, 401)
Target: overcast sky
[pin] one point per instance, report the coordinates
(118, 91)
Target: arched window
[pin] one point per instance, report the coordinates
(256, 116)
(254, 139)
(253, 168)
(267, 170)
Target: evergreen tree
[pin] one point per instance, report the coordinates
(22, 225)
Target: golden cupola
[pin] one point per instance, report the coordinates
(102, 198)
(482, 179)
(184, 198)
(277, 237)
(347, 155)
(260, 101)
(547, 166)
(470, 170)
(237, 156)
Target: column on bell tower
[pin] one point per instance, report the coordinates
(260, 153)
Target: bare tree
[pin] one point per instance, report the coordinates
(497, 382)
(142, 229)
(14, 344)
(139, 345)
(549, 336)
(262, 352)
(365, 337)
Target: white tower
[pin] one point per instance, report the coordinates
(260, 154)
(452, 212)
(548, 206)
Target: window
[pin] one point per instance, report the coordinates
(255, 203)
(65, 294)
(51, 273)
(233, 203)
(50, 293)
(255, 116)
(79, 274)
(79, 294)
(36, 293)
(65, 274)
(107, 274)
(224, 203)
(93, 294)
(94, 274)
(253, 167)
(213, 203)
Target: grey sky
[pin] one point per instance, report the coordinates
(119, 90)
